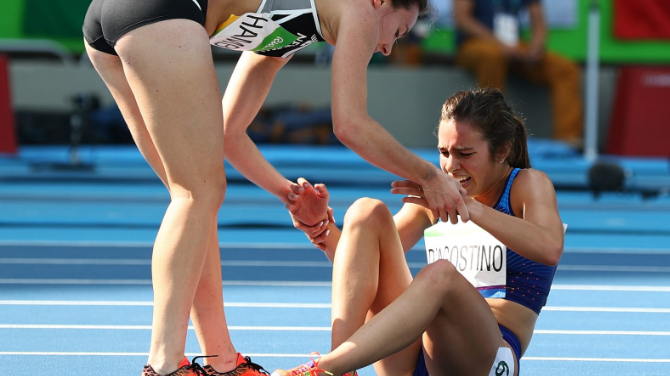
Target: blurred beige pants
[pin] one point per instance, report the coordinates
(490, 66)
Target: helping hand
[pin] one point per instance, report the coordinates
(442, 195)
(316, 234)
(308, 204)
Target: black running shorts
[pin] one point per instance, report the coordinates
(108, 20)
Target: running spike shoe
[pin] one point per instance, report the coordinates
(185, 369)
(245, 367)
(307, 369)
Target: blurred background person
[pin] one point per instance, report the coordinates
(489, 46)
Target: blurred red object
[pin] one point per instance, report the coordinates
(642, 19)
(640, 123)
(7, 130)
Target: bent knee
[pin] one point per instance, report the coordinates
(367, 210)
(438, 276)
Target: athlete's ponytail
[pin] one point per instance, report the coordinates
(518, 156)
(487, 111)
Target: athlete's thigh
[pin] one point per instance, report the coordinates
(110, 69)
(464, 338)
(170, 70)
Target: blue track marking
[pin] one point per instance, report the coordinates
(75, 249)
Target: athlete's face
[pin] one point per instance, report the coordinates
(394, 24)
(465, 156)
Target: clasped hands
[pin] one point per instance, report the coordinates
(310, 213)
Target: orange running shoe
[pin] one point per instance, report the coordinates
(185, 369)
(307, 369)
(245, 367)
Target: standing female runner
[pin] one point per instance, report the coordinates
(155, 57)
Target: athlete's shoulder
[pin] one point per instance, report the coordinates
(356, 11)
(531, 176)
(530, 182)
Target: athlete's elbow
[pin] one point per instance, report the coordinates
(347, 127)
(343, 130)
(553, 255)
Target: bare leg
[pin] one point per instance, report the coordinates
(207, 309)
(208, 315)
(189, 143)
(369, 272)
(461, 334)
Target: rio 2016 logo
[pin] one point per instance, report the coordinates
(275, 42)
(502, 369)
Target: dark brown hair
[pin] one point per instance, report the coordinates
(487, 111)
(407, 4)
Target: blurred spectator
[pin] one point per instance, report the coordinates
(489, 46)
(293, 124)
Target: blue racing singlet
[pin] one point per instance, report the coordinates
(528, 282)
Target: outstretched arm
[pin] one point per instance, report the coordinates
(356, 41)
(246, 91)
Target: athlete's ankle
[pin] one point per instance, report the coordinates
(223, 363)
(164, 366)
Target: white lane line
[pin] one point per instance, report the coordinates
(622, 360)
(57, 353)
(58, 281)
(109, 262)
(611, 288)
(47, 281)
(295, 305)
(299, 264)
(148, 327)
(607, 309)
(615, 268)
(602, 332)
(525, 358)
(142, 244)
(313, 329)
(147, 303)
(54, 281)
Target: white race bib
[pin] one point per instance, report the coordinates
(506, 28)
(254, 32)
(476, 254)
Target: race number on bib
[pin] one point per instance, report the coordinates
(476, 254)
(253, 32)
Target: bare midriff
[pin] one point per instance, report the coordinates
(515, 317)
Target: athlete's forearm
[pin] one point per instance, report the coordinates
(244, 155)
(373, 143)
(530, 240)
(247, 89)
(332, 240)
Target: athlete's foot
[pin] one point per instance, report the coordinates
(185, 368)
(245, 367)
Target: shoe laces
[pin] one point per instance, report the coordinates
(256, 367)
(313, 371)
(197, 368)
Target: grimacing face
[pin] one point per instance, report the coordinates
(465, 156)
(395, 24)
